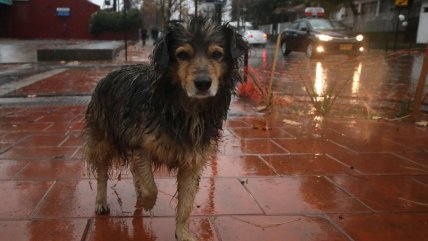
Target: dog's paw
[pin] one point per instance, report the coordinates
(146, 201)
(102, 208)
(183, 235)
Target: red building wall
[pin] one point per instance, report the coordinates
(37, 19)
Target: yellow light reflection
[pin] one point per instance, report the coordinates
(356, 80)
(320, 80)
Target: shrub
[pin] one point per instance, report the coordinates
(104, 20)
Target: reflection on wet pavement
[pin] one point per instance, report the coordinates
(276, 176)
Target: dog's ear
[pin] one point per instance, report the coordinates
(161, 51)
(236, 44)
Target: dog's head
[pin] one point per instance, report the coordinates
(199, 55)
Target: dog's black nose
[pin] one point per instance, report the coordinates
(203, 83)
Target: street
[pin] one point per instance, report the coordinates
(375, 83)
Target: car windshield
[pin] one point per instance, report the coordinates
(324, 24)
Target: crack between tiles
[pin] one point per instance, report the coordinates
(350, 194)
(337, 227)
(42, 200)
(85, 236)
(243, 182)
(269, 165)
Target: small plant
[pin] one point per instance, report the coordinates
(404, 108)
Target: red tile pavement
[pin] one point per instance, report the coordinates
(276, 228)
(301, 195)
(307, 164)
(147, 229)
(43, 230)
(21, 198)
(69, 82)
(391, 227)
(335, 180)
(380, 163)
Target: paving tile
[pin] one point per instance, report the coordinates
(13, 137)
(303, 194)
(65, 127)
(380, 163)
(276, 228)
(223, 196)
(35, 126)
(236, 123)
(419, 143)
(257, 133)
(307, 164)
(9, 168)
(421, 157)
(391, 227)
(310, 145)
(72, 81)
(235, 166)
(261, 146)
(38, 152)
(387, 193)
(54, 170)
(147, 229)
(20, 198)
(20, 118)
(77, 198)
(73, 140)
(58, 117)
(42, 140)
(370, 143)
(230, 145)
(43, 230)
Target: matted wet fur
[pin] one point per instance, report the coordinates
(169, 112)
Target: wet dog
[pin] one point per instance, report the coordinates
(169, 112)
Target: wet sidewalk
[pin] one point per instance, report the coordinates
(309, 179)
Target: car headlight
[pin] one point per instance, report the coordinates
(324, 37)
(359, 37)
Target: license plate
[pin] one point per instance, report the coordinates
(345, 47)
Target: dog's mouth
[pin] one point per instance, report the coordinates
(202, 94)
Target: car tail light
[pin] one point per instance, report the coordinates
(250, 36)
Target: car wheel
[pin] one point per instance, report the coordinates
(310, 51)
(284, 49)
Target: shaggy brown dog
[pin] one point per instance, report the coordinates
(169, 112)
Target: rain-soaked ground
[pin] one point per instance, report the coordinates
(285, 175)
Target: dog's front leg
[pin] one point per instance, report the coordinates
(101, 206)
(188, 184)
(144, 182)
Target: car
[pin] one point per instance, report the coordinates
(319, 36)
(255, 37)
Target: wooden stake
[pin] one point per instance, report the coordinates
(275, 59)
(421, 85)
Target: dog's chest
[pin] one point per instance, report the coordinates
(165, 150)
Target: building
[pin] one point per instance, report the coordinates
(46, 19)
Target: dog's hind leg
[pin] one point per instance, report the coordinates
(145, 186)
(188, 184)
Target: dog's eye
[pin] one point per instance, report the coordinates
(217, 55)
(182, 55)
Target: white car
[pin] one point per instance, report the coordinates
(255, 37)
